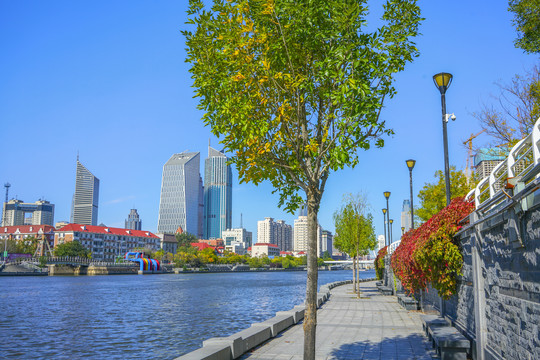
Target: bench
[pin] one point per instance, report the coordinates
(430, 322)
(385, 290)
(408, 303)
(450, 344)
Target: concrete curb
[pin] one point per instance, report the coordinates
(234, 346)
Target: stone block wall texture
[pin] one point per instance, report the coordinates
(509, 250)
(508, 245)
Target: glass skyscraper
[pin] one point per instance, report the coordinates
(180, 201)
(133, 221)
(217, 194)
(84, 208)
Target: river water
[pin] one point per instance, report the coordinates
(133, 317)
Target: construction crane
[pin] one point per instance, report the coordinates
(468, 143)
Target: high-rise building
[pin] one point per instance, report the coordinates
(301, 235)
(275, 232)
(380, 242)
(179, 205)
(406, 222)
(326, 242)
(486, 160)
(84, 208)
(284, 237)
(17, 212)
(217, 194)
(133, 221)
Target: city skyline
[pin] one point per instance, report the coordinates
(121, 81)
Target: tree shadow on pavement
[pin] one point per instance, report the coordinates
(414, 346)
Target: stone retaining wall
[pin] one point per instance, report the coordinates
(497, 305)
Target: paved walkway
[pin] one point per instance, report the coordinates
(373, 327)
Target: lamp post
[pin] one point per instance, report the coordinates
(391, 228)
(410, 164)
(442, 82)
(387, 195)
(402, 230)
(384, 225)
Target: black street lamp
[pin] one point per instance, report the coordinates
(387, 195)
(391, 228)
(410, 165)
(384, 225)
(402, 230)
(442, 82)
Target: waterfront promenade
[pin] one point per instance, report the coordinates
(373, 327)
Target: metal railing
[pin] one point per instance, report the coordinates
(393, 246)
(521, 165)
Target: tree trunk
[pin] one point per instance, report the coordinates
(310, 319)
(354, 273)
(357, 275)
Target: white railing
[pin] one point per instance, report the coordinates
(522, 158)
(393, 246)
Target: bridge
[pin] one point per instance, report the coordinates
(364, 264)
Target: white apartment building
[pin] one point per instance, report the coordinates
(275, 232)
(301, 235)
(264, 249)
(238, 235)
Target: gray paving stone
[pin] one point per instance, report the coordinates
(373, 327)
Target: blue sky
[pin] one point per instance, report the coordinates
(107, 79)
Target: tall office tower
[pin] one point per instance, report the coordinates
(133, 221)
(327, 242)
(406, 215)
(301, 235)
(180, 193)
(84, 207)
(284, 238)
(303, 210)
(217, 194)
(380, 242)
(17, 212)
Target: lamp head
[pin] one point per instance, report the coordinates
(442, 81)
(387, 194)
(410, 163)
(384, 211)
(391, 221)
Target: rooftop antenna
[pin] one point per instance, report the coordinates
(77, 155)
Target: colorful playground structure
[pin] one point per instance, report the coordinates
(145, 265)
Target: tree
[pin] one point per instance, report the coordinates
(527, 23)
(27, 245)
(185, 239)
(355, 233)
(433, 195)
(72, 248)
(514, 111)
(294, 90)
